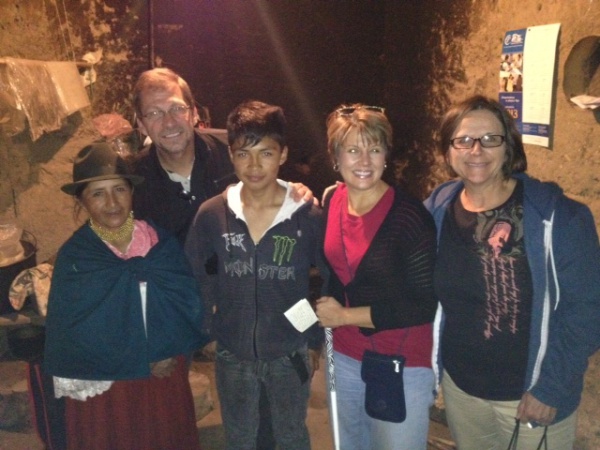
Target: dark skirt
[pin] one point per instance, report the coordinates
(48, 411)
(147, 414)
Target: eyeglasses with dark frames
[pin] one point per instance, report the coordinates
(348, 110)
(486, 141)
(177, 111)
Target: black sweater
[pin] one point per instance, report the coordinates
(160, 199)
(395, 276)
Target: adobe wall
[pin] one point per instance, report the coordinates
(64, 30)
(468, 45)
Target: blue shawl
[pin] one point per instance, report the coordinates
(95, 328)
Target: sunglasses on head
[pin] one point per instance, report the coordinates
(348, 110)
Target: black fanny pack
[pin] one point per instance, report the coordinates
(384, 392)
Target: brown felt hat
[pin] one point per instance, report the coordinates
(97, 162)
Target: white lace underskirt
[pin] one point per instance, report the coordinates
(79, 389)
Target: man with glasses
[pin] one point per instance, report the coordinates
(183, 166)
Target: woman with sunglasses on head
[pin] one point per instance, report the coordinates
(123, 315)
(518, 280)
(380, 246)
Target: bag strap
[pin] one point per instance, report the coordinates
(401, 342)
(512, 445)
(544, 440)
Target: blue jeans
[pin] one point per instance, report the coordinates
(358, 431)
(238, 386)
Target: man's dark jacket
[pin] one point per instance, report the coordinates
(161, 199)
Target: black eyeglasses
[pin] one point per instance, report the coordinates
(186, 195)
(486, 141)
(347, 110)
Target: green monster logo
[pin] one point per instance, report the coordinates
(284, 247)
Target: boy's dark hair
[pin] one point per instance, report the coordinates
(252, 121)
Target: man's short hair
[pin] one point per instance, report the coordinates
(158, 79)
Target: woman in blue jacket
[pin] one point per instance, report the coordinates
(518, 282)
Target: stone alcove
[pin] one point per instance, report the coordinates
(582, 76)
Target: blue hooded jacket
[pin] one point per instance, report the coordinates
(564, 257)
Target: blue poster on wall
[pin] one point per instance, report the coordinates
(526, 80)
(511, 74)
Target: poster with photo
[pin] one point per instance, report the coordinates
(526, 79)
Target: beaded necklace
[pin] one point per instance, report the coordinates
(124, 231)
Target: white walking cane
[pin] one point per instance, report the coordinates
(332, 393)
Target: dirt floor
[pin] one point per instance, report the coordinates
(12, 375)
(210, 430)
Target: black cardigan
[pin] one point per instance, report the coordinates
(159, 198)
(395, 276)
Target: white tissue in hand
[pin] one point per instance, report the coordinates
(301, 315)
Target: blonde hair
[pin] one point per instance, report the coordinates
(369, 122)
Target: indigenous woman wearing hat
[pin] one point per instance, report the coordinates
(123, 312)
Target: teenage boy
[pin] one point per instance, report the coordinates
(265, 244)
